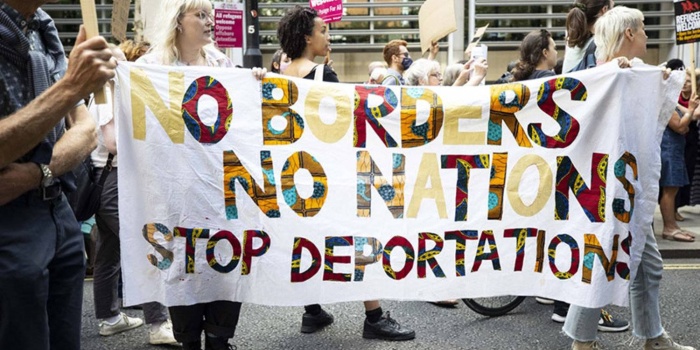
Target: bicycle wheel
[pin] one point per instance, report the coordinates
(494, 306)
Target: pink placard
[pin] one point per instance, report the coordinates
(329, 10)
(228, 28)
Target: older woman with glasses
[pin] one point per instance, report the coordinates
(184, 38)
(423, 72)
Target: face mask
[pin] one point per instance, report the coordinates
(406, 62)
(283, 66)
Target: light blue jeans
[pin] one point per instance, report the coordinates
(582, 323)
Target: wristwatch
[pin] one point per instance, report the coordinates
(46, 176)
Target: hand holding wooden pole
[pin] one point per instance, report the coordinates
(87, 7)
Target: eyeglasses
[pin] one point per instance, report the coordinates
(405, 54)
(203, 15)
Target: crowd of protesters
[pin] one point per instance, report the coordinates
(46, 129)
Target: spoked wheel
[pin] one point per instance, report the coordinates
(494, 306)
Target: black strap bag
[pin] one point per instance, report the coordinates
(85, 200)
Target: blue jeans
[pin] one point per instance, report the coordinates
(42, 266)
(582, 323)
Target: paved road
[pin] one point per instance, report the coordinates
(527, 327)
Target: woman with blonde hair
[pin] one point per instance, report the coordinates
(133, 50)
(620, 35)
(580, 54)
(184, 38)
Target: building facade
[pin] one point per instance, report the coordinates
(369, 24)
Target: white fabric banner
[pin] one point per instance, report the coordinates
(294, 192)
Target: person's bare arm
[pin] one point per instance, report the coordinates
(76, 144)
(16, 179)
(434, 50)
(90, 66)
(679, 123)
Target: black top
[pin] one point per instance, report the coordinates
(541, 74)
(328, 74)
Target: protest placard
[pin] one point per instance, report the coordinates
(228, 25)
(329, 10)
(436, 19)
(120, 18)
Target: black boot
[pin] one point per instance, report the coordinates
(386, 329)
(194, 345)
(217, 343)
(312, 323)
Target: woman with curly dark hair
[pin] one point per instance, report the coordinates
(538, 56)
(304, 36)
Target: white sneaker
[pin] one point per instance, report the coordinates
(544, 301)
(125, 323)
(162, 334)
(664, 342)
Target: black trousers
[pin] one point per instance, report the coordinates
(108, 255)
(42, 267)
(217, 317)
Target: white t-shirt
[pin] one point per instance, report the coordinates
(213, 56)
(574, 55)
(102, 114)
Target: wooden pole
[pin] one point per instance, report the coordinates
(692, 68)
(328, 54)
(87, 8)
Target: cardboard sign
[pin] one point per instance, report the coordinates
(120, 17)
(228, 25)
(436, 19)
(475, 40)
(687, 21)
(329, 10)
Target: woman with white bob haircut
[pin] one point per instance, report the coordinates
(184, 38)
(423, 72)
(619, 34)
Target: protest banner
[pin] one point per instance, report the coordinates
(294, 192)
